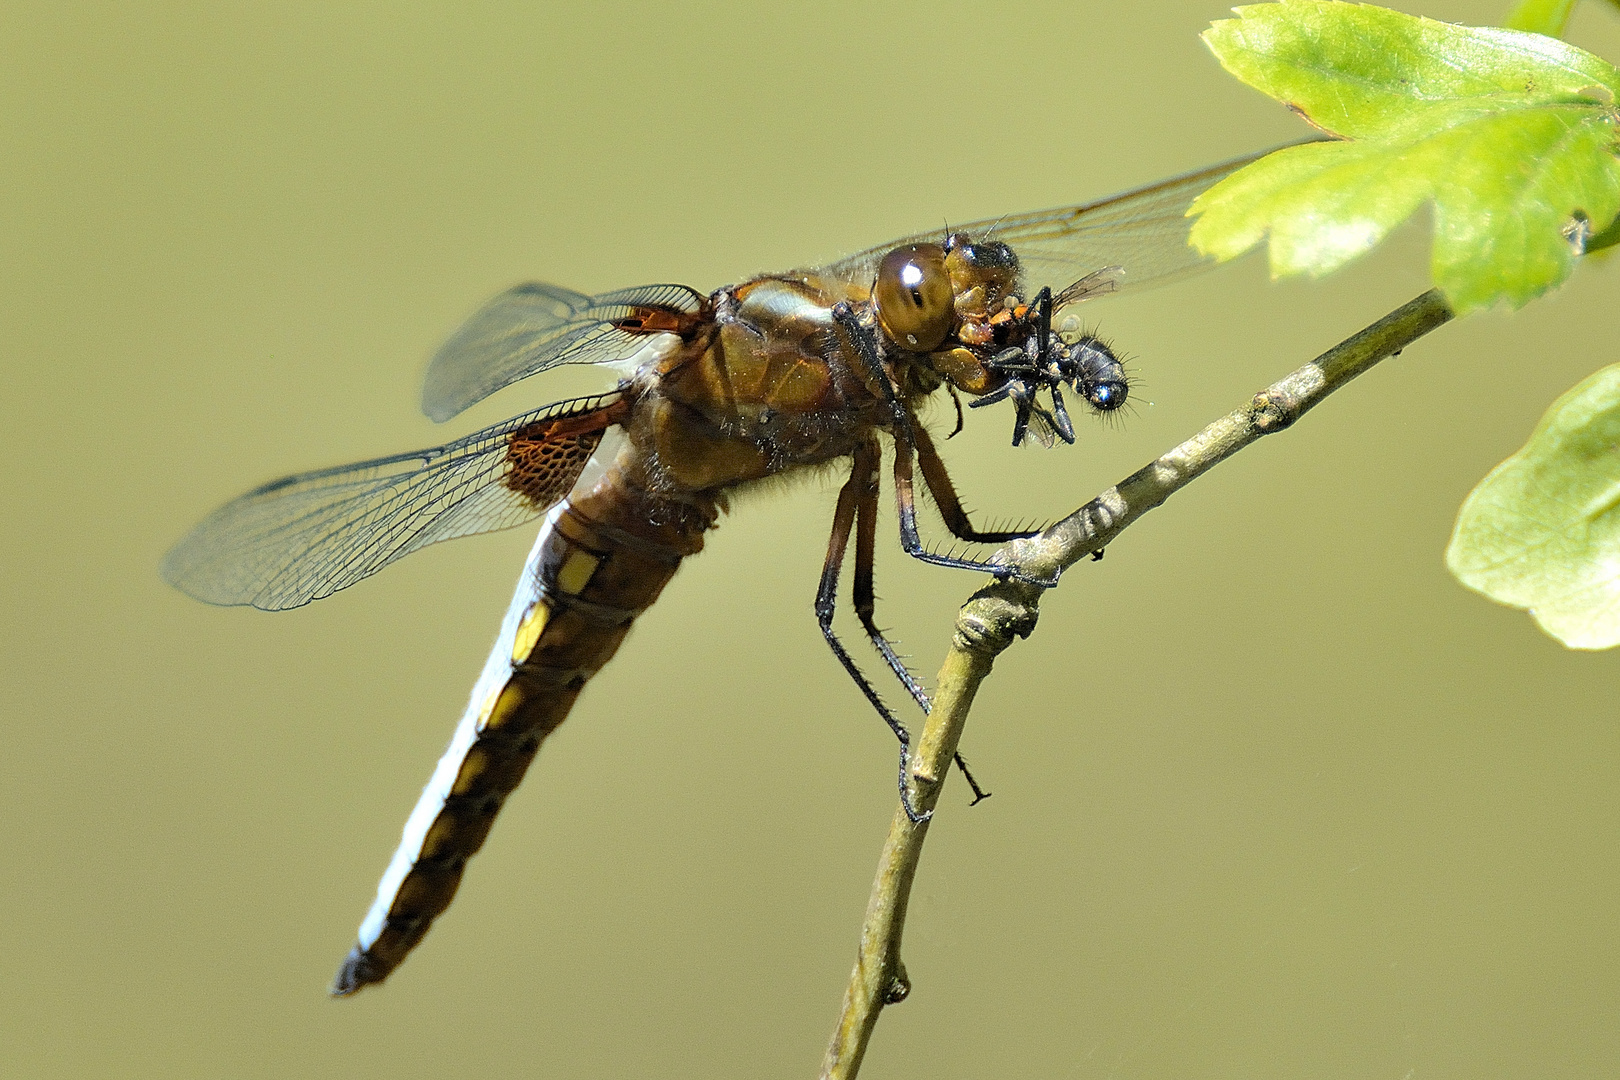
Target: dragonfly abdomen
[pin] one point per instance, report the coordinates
(600, 561)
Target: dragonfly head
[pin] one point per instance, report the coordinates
(923, 291)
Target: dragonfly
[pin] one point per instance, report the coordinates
(716, 391)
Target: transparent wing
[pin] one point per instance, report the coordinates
(534, 327)
(1143, 232)
(307, 536)
(1040, 429)
(1097, 283)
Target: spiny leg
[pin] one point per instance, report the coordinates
(904, 440)
(950, 506)
(865, 598)
(866, 504)
(866, 512)
(910, 539)
(863, 475)
(956, 400)
(866, 349)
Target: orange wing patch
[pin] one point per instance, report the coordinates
(654, 319)
(544, 460)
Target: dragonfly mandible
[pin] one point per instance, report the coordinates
(719, 390)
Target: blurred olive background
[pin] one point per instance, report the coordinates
(1274, 797)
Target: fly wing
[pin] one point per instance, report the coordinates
(1143, 231)
(1097, 283)
(534, 327)
(1040, 429)
(306, 536)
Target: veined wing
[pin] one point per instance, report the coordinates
(307, 536)
(534, 327)
(1143, 232)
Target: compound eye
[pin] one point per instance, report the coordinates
(1107, 396)
(913, 297)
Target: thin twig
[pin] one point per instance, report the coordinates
(1007, 608)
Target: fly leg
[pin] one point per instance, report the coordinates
(866, 514)
(863, 478)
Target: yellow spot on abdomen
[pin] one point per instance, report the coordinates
(577, 570)
(500, 706)
(529, 630)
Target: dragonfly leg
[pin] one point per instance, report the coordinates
(904, 442)
(1043, 322)
(862, 476)
(910, 539)
(866, 513)
(866, 348)
(945, 497)
(866, 503)
(957, 401)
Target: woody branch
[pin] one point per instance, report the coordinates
(1007, 609)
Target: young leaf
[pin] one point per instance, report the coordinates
(1542, 531)
(1512, 137)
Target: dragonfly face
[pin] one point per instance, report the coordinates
(753, 380)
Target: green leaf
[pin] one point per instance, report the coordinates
(1541, 16)
(1511, 136)
(1542, 531)
(1605, 239)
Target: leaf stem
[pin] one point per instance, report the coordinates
(1007, 608)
